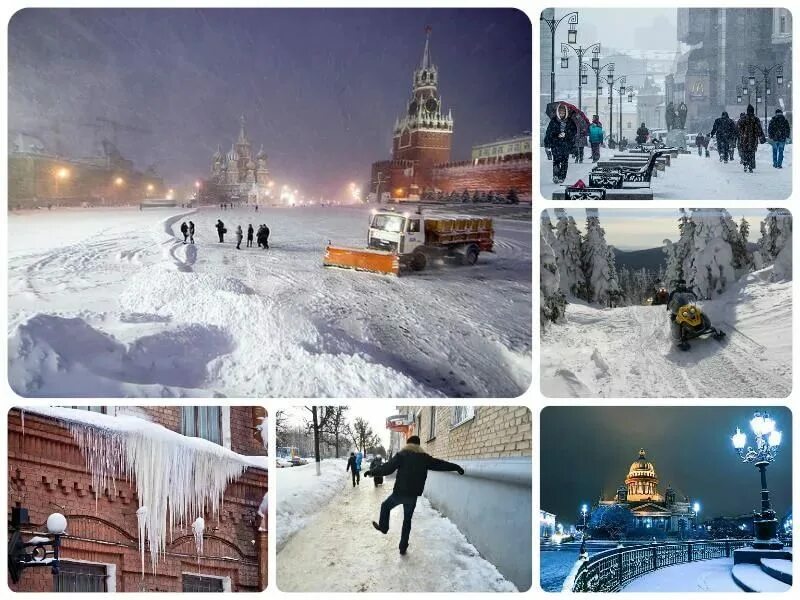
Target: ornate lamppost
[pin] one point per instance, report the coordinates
(621, 88)
(597, 77)
(584, 510)
(767, 442)
(579, 52)
(765, 71)
(572, 38)
(41, 550)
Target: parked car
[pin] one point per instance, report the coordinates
(298, 461)
(282, 463)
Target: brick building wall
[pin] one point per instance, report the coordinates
(47, 474)
(498, 177)
(494, 432)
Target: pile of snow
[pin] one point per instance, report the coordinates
(301, 494)
(178, 478)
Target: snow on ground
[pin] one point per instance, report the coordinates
(693, 177)
(628, 351)
(700, 576)
(339, 550)
(301, 494)
(108, 302)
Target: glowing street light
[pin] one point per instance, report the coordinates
(62, 173)
(767, 442)
(119, 181)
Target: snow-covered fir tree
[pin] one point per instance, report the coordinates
(568, 254)
(710, 265)
(598, 263)
(775, 245)
(679, 252)
(552, 301)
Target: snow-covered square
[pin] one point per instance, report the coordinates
(666, 303)
(111, 302)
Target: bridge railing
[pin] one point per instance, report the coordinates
(610, 570)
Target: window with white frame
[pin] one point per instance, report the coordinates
(432, 428)
(462, 414)
(203, 422)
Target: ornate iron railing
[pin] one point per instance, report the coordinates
(610, 570)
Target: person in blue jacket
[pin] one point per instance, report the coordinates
(595, 137)
(359, 458)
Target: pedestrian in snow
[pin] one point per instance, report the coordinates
(559, 139)
(359, 460)
(596, 137)
(700, 142)
(641, 134)
(376, 462)
(239, 236)
(724, 128)
(191, 232)
(266, 237)
(256, 207)
(582, 133)
(355, 470)
(778, 131)
(751, 134)
(412, 464)
(184, 231)
(221, 231)
(250, 235)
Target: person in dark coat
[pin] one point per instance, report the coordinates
(184, 231)
(250, 235)
(559, 139)
(239, 236)
(266, 237)
(376, 462)
(778, 131)
(700, 142)
(412, 464)
(582, 131)
(751, 134)
(724, 128)
(221, 231)
(355, 471)
(191, 232)
(641, 134)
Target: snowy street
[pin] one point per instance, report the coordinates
(701, 576)
(338, 550)
(693, 177)
(109, 302)
(628, 352)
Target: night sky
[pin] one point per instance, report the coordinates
(586, 450)
(320, 87)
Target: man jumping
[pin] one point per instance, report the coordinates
(412, 465)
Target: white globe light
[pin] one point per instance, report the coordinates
(757, 424)
(696, 507)
(57, 524)
(769, 425)
(775, 438)
(739, 439)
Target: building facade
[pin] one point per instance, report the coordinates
(239, 175)
(421, 151)
(515, 148)
(491, 503)
(49, 472)
(652, 509)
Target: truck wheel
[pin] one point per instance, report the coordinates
(470, 256)
(419, 261)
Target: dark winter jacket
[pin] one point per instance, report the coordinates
(700, 141)
(724, 128)
(751, 134)
(581, 131)
(412, 465)
(778, 128)
(375, 463)
(552, 137)
(641, 134)
(596, 133)
(184, 228)
(220, 226)
(352, 464)
(191, 227)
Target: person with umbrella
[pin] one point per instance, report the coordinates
(580, 137)
(559, 140)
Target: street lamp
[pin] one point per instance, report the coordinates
(767, 442)
(579, 52)
(40, 550)
(119, 181)
(584, 509)
(572, 38)
(61, 175)
(609, 79)
(765, 71)
(696, 509)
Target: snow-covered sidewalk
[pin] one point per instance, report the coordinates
(701, 576)
(339, 550)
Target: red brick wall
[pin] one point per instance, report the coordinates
(47, 474)
(499, 177)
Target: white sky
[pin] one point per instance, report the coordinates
(374, 413)
(648, 228)
(623, 28)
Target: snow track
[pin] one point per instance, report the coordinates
(628, 352)
(275, 322)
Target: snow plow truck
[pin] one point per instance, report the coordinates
(401, 241)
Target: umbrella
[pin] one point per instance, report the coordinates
(550, 110)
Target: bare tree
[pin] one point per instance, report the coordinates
(336, 427)
(320, 415)
(360, 432)
(281, 428)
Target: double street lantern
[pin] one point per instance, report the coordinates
(572, 38)
(765, 450)
(580, 51)
(765, 82)
(599, 79)
(41, 550)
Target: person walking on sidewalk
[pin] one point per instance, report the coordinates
(778, 131)
(596, 137)
(239, 236)
(412, 464)
(355, 470)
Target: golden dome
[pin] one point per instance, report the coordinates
(641, 468)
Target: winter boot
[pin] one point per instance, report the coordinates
(378, 527)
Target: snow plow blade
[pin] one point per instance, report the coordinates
(375, 261)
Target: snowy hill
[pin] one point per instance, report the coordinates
(627, 352)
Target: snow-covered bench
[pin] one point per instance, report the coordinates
(640, 176)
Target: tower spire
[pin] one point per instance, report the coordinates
(426, 55)
(242, 134)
